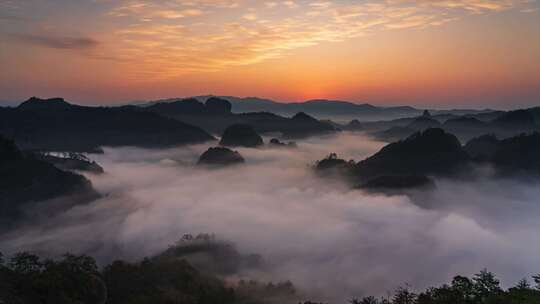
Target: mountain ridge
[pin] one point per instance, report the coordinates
(322, 108)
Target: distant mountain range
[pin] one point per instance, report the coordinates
(215, 115)
(56, 125)
(325, 109)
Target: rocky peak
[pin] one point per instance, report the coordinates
(35, 103)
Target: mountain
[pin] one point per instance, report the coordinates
(276, 143)
(465, 127)
(55, 125)
(515, 122)
(323, 109)
(26, 181)
(215, 115)
(220, 156)
(393, 133)
(35, 103)
(429, 152)
(510, 156)
(424, 122)
(405, 163)
(240, 135)
(536, 114)
(435, 152)
(482, 148)
(519, 154)
(320, 108)
(71, 162)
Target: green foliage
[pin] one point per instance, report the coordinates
(483, 288)
(257, 292)
(536, 279)
(404, 296)
(163, 279)
(170, 279)
(29, 279)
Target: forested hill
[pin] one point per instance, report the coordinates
(56, 125)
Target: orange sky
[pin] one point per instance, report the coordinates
(448, 53)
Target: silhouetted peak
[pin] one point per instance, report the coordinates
(519, 153)
(432, 151)
(424, 122)
(333, 163)
(521, 118)
(188, 102)
(241, 135)
(180, 106)
(482, 148)
(218, 105)
(434, 135)
(354, 123)
(277, 143)
(426, 114)
(303, 116)
(35, 103)
(220, 156)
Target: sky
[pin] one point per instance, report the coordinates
(445, 54)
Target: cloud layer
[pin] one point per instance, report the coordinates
(75, 43)
(331, 242)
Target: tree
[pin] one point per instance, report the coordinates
(464, 287)
(523, 284)
(536, 279)
(25, 263)
(404, 296)
(365, 300)
(486, 285)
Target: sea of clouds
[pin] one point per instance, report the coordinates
(330, 241)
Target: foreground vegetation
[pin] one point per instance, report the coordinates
(170, 278)
(483, 288)
(167, 278)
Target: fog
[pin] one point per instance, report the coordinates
(330, 241)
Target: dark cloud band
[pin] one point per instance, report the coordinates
(57, 42)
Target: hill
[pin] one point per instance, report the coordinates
(26, 181)
(403, 164)
(55, 125)
(323, 108)
(216, 115)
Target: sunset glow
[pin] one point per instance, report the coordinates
(438, 53)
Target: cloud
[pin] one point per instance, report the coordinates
(220, 34)
(290, 4)
(333, 243)
(250, 17)
(270, 4)
(57, 42)
(212, 35)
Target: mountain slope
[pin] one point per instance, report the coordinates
(55, 125)
(26, 180)
(215, 116)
